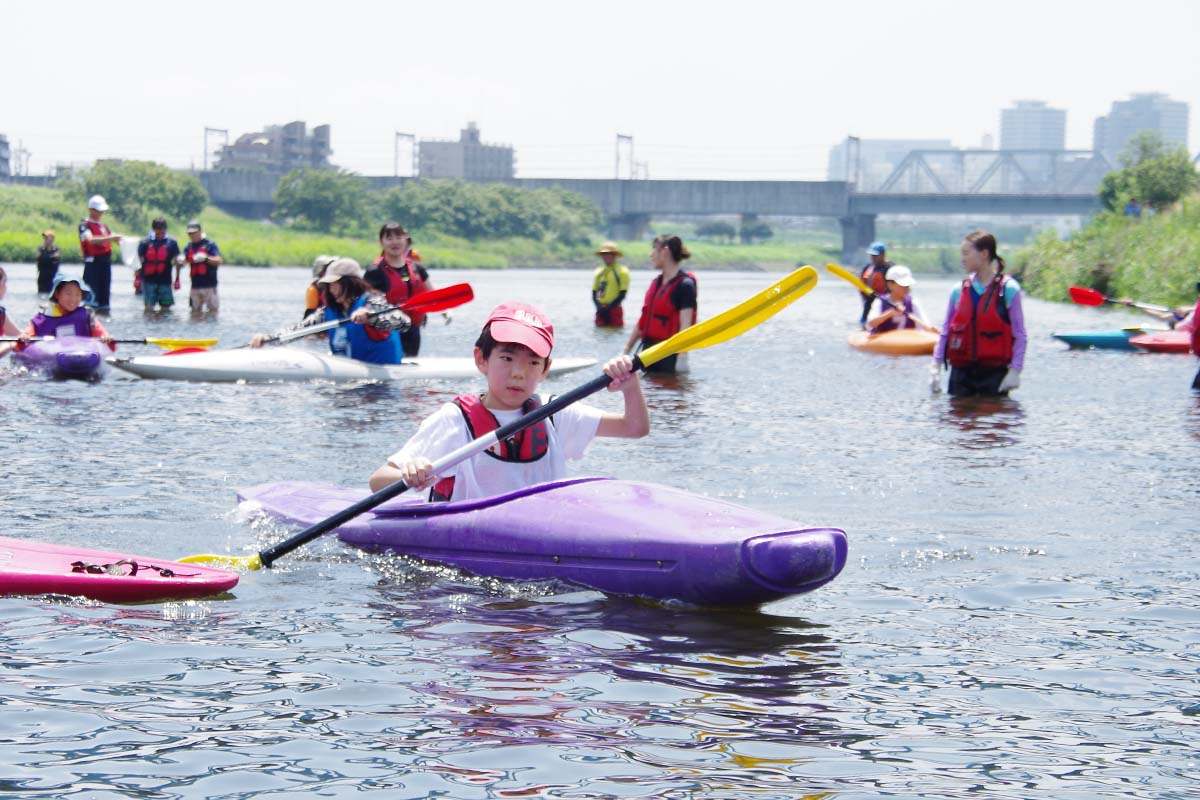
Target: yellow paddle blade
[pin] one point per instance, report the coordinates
(849, 277)
(241, 563)
(178, 344)
(736, 320)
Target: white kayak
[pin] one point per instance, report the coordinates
(291, 364)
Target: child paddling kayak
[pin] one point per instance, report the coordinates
(513, 353)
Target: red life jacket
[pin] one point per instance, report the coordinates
(196, 269)
(528, 445)
(91, 249)
(155, 260)
(660, 317)
(980, 332)
(403, 284)
(876, 277)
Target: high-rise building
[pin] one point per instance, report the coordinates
(5, 157)
(468, 158)
(1033, 125)
(277, 149)
(1142, 112)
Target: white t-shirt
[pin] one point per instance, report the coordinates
(444, 431)
(877, 308)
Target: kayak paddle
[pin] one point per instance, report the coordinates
(1090, 297)
(850, 278)
(166, 344)
(427, 303)
(722, 327)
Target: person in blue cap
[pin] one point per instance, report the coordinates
(874, 275)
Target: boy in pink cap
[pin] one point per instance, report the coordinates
(513, 353)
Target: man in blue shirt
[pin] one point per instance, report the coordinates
(203, 257)
(157, 253)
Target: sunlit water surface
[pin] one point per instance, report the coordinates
(1018, 618)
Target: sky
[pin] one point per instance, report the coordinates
(743, 90)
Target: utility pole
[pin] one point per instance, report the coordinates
(21, 159)
(215, 131)
(412, 140)
(628, 140)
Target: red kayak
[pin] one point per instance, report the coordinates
(33, 568)
(1164, 342)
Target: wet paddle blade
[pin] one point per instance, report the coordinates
(849, 277)
(1086, 297)
(737, 320)
(440, 299)
(241, 563)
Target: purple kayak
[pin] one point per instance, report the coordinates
(79, 357)
(616, 536)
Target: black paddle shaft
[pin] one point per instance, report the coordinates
(369, 502)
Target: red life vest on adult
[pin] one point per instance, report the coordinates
(875, 277)
(155, 260)
(980, 333)
(92, 248)
(660, 317)
(528, 445)
(196, 269)
(403, 284)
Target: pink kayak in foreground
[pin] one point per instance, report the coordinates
(31, 568)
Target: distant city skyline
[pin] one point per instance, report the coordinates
(752, 91)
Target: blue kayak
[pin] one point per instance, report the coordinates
(1117, 339)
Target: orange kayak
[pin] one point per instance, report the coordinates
(1163, 342)
(904, 342)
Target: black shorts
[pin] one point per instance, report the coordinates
(972, 381)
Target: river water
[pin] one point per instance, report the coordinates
(1018, 617)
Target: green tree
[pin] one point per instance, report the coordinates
(492, 211)
(717, 229)
(322, 199)
(754, 230)
(138, 190)
(1155, 174)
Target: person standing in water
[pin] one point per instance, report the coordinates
(49, 256)
(202, 256)
(874, 275)
(95, 240)
(400, 277)
(157, 253)
(610, 284)
(670, 304)
(983, 338)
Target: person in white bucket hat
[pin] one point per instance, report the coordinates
(897, 308)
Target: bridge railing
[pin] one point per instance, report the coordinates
(1026, 172)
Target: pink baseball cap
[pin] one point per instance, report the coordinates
(521, 323)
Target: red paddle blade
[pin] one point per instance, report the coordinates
(1086, 297)
(440, 299)
(184, 351)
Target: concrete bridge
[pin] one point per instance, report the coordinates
(628, 205)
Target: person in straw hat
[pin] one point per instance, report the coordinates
(610, 283)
